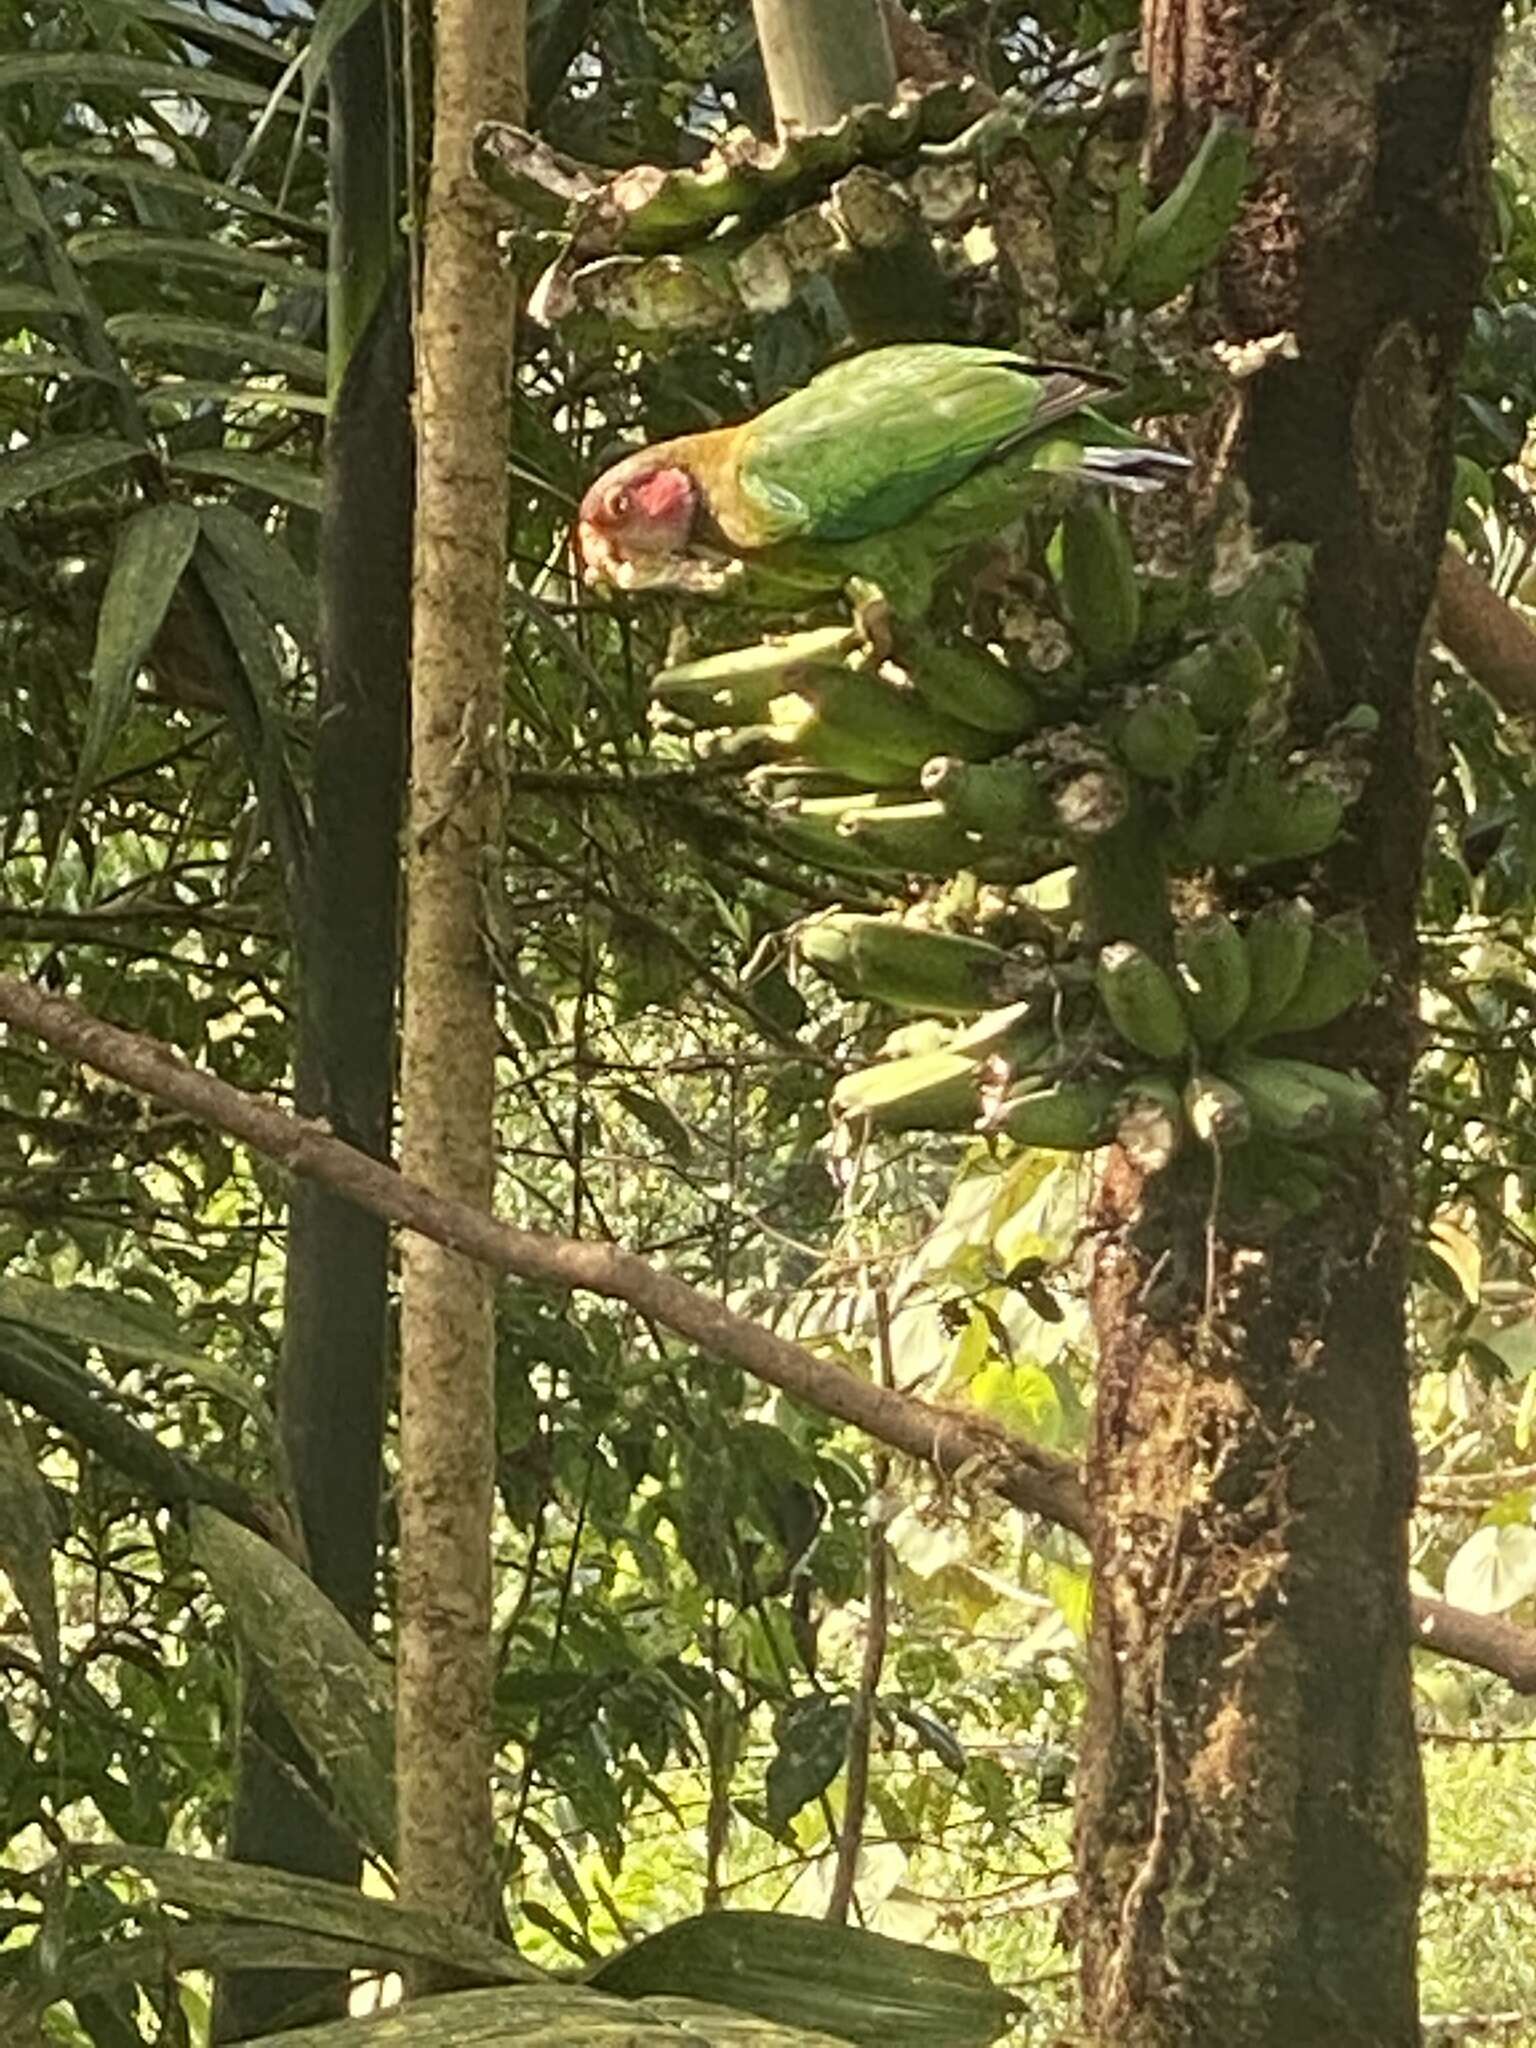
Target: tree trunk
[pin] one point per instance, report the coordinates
(821, 60)
(1251, 1830)
(335, 1325)
(447, 1420)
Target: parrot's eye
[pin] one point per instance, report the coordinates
(618, 503)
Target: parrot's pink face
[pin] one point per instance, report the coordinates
(635, 518)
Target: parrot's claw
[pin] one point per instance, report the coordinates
(872, 616)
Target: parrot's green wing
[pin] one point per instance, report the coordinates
(869, 443)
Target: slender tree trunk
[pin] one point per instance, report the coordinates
(822, 59)
(335, 1328)
(1251, 1819)
(447, 1422)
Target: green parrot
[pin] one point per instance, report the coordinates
(879, 471)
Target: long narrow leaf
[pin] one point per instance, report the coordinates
(203, 29)
(153, 549)
(285, 594)
(128, 167)
(333, 1692)
(192, 252)
(28, 302)
(129, 74)
(113, 1323)
(31, 471)
(239, 397)
(215, 338)
(288, 482)
(43, 363)
(26, 1537)
(549, 2016)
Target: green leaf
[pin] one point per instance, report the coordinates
(660, 1120)
(74, 68)
(269, 474)
(23, 301)
(170, 331)
(200, 28)
(856, 1986)
(1494, 1569)
(26, 1537)
(31, 471)
(145, 245)
(111, 1322)
(134, 169)
(285, 594)
(42, 363)
(332, 1690)
(239, 397)
(153, 549)
(813, 1741)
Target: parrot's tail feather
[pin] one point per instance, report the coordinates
(1129, 469)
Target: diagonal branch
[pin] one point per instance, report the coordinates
(1037, 1481)
(1491, 641)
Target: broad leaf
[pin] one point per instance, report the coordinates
(287, 482)
(812, 1745)
(50, 464)
(27, 1537)
(856, 1986)
(333, 1691)
(153, 549)
(549, 2016)
(1494, 1569)
(285, 594)
(111, 1322)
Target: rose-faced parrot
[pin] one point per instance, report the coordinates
(883, 467)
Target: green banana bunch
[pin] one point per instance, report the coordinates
(962, 681)
(1097, 576)
(1268, 602)
(883, 960)
(1179, 238)
(1214, 974)
(1278, 941)
(865, 708)
(1141, 1001)
(1222, 679)
(1339, 971)
(1263, 813)
(1281, 1102)
(737, 687)
(1218, 1111)
(1160, 734)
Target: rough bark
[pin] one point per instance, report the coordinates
(447, 1431)
(330, 1395)
(1251, 1818)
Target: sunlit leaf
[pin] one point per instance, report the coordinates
(1494, 1569)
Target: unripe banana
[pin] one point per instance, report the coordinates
(916, 839)
(894, 721)
(1161, 735)
(1067, 1116)
(1340, 970)
(1011, 1033)
(963, 681)
(926, 1091)
(1223, 678)
(800, 737)
(1178, 239)
(1305, 822)
(937, 973)
(736, 687)
(1269, 603)
(1218, 1111)
(1098, 581)
(923, 1034)
(1149, 1121)
(1281, 1103)
(811, 827)
(1141, 1001)
(1277, 942)
(1213, 975)
(1357, 1105)
(998, 799)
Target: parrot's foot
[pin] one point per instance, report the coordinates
(872, 616)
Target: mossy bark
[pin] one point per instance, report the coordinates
(1251, 1831)
(447, 1418)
